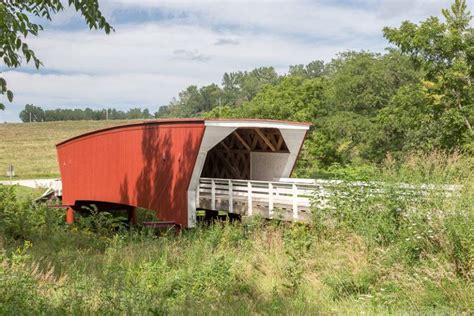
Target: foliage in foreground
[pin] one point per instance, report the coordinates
(364, 252)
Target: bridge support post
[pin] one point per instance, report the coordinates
(231, 198)
(198, 195)
(295, 202)
(70, 215)
(213, 195)
(270, 200)
(249, 199)
(132, 216)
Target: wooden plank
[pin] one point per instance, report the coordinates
(280, 142)
(254, 142)
(242, 141)
(225, 146)
(235, 172)
(265, 139)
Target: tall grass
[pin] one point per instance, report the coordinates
(389, 252)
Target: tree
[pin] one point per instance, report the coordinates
(32, 113)
(242, 86)
(40, 115)
(445, 52)
(18, 20)
(294, 98)
(364, 82)
(314, 69)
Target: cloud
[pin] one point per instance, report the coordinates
(226, 41)
(52, 90)
(190, 55)
(321, 18)
(175, 51)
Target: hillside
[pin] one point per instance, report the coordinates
(30, 147)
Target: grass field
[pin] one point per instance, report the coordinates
(30, 147)
(364, 254)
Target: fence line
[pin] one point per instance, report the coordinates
(292, 195)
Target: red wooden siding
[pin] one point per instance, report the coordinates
(145, 165)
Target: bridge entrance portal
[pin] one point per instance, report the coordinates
(247, 154)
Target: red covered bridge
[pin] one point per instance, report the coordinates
(175, 166)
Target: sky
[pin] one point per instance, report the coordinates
(161, 47)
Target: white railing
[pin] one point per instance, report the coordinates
(294, 196)
(291, 196)
(54, 184)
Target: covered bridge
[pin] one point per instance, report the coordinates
(168, 166)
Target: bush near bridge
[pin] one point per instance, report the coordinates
(370, 254)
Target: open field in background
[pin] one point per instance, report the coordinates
(30, 147)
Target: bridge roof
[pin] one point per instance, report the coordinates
(262, 123)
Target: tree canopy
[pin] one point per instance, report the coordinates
(444, 52)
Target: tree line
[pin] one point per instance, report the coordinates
(32, 113)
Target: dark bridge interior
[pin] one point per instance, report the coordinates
(230, 159)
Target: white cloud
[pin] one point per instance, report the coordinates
(93, 90)
(154, 48)
(190, 55)
(314, 18)
(227, 41)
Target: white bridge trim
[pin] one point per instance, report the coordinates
(216, 130)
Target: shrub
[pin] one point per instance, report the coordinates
(415, 220)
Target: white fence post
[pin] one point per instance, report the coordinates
(249, 198)
(197, 194)
(213, 194)
(295, 202)
(270, 199)
(231, 198)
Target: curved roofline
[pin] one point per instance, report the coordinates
(137, 123)
(260, 123)
(208, 122)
